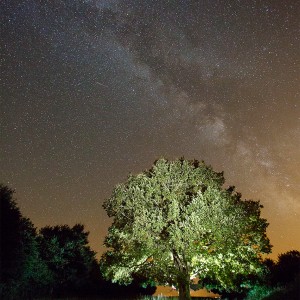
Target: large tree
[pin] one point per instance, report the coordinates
(176, 221)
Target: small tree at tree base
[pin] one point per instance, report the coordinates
(176, 221)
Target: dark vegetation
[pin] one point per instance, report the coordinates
(54, 261)
(282, 279)
(58, 262)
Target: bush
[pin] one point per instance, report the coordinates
(260, 292)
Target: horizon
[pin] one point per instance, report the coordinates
(95, 90)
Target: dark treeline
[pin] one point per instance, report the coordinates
(282, 279)
(55, 261)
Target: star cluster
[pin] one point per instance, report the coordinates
(93, 90)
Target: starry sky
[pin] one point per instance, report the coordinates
(94, 90)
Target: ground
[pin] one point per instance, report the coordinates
(169, 291)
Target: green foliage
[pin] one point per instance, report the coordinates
(177, 220)
(67, 254)
(260, 292)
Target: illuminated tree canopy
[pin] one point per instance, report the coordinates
(176, 221)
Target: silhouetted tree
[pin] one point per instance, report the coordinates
(176, 221)
(287, 268)
(10, 236)
(68, 256)
(282, 279)
(22, 271)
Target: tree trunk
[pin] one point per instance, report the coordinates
(183, 278)
(184, 287)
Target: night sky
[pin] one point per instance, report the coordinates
(94, 90)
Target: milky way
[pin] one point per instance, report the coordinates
(94, 90)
